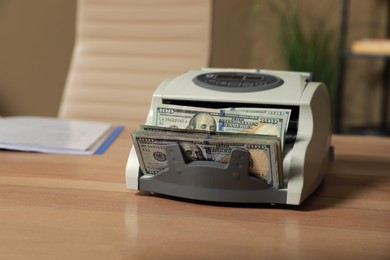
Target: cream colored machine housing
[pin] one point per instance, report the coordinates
(304, 158)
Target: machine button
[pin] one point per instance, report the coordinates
(247, 84)
(234, 84)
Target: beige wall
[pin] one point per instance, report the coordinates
(37, 38)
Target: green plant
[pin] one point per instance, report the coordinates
(311, 48)
(306, 45)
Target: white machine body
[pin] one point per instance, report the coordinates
(304, 160)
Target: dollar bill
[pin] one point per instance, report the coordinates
(264, 151)
(234, 120)
(285, 113)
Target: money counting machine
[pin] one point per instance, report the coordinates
(304, 155)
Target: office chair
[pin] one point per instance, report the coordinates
(125, 48)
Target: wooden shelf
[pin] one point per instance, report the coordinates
(371, 47)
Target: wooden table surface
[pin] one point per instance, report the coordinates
(77, 207)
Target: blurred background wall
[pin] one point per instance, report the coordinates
(36, 40)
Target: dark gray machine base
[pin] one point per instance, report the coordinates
(211, 181)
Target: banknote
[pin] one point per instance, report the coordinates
(263, 150)
(234, 120)
(284, 112)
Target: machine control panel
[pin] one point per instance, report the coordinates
(237, 81)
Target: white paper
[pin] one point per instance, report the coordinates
(50, 135)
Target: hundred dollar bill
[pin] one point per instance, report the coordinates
(223, 120)
(264, 151)
(285, 113)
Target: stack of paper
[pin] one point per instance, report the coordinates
(52, 135)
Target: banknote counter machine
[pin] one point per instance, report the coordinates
(305, 153)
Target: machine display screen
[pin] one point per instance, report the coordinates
(229, 76)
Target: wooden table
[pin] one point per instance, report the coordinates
(72, 207)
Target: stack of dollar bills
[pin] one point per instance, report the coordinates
(211, 135)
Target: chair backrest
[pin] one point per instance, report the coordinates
(125, 48)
